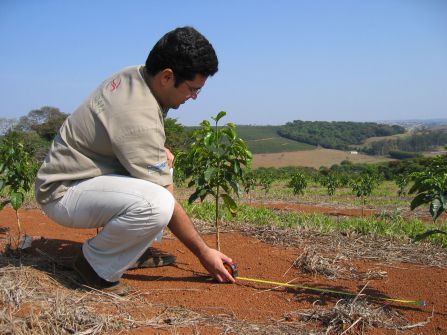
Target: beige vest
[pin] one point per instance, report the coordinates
(118, 130)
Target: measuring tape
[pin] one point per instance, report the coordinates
(232, 269)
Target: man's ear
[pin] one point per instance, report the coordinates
(167, 77)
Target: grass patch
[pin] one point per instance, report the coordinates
(386, 226)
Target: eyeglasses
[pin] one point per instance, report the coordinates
(194, 91)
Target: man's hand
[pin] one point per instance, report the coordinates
(212, 260)
(169, 157)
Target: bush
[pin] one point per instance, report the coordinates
(398, 154)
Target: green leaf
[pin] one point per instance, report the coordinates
(436, 209)
(229, 203)
(2, 184)
(203, 193)
(193, 197)
(443, 198)
(235, 186)
(420, 185)
(236, 167)
(230, 134)
(16, 200)
(205, 124)
(428, 233)
(219, 116)
(418, 200)
(209, 173)
(208, 137)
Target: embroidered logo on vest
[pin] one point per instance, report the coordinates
(113, 84)
(159, 167)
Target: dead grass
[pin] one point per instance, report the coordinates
(39, 297)
(312, 262)
(350, 246)
(36, 304)
(354, 316)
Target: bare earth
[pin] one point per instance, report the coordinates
(312, 158)
(273, 309)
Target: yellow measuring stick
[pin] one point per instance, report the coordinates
(402, 301)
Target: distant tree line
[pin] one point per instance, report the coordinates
(404, 147)
(35, 130)
(336, 135)
(38, 128)
(346, 169)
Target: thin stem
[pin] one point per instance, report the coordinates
(217, 188)
(18, 224)
(217, 220)
(363, 205)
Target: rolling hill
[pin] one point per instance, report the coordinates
(265, 139)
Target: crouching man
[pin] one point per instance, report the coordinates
(108, 166)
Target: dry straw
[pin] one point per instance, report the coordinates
(37, 297)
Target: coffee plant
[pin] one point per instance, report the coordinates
(298, 183)
(216, 165)
(17, 172)
(364, 185)
(401, 181)
(266, 180)
(430, 187)
(331, 181)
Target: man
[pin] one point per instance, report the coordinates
(108, 166)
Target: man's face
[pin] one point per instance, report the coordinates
(186, 90)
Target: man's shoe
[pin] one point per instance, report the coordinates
(153, 258)
(91, 278)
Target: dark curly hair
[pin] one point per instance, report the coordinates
(186, 52)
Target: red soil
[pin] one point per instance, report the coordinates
(188, 286)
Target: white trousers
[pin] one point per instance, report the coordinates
(132, 211)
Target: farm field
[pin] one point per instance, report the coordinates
(182, 299)
(312, 158)
(264, 139)
(370, 140)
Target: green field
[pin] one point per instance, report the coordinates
(264, 139)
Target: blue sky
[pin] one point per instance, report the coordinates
(282, 60)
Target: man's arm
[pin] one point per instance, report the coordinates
(182, 227)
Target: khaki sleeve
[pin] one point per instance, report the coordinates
(141, 151)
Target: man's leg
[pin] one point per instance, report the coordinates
(132, 211)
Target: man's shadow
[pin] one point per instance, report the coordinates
(52, 256)
(56, 256)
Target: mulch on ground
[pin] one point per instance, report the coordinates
(183, 298)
